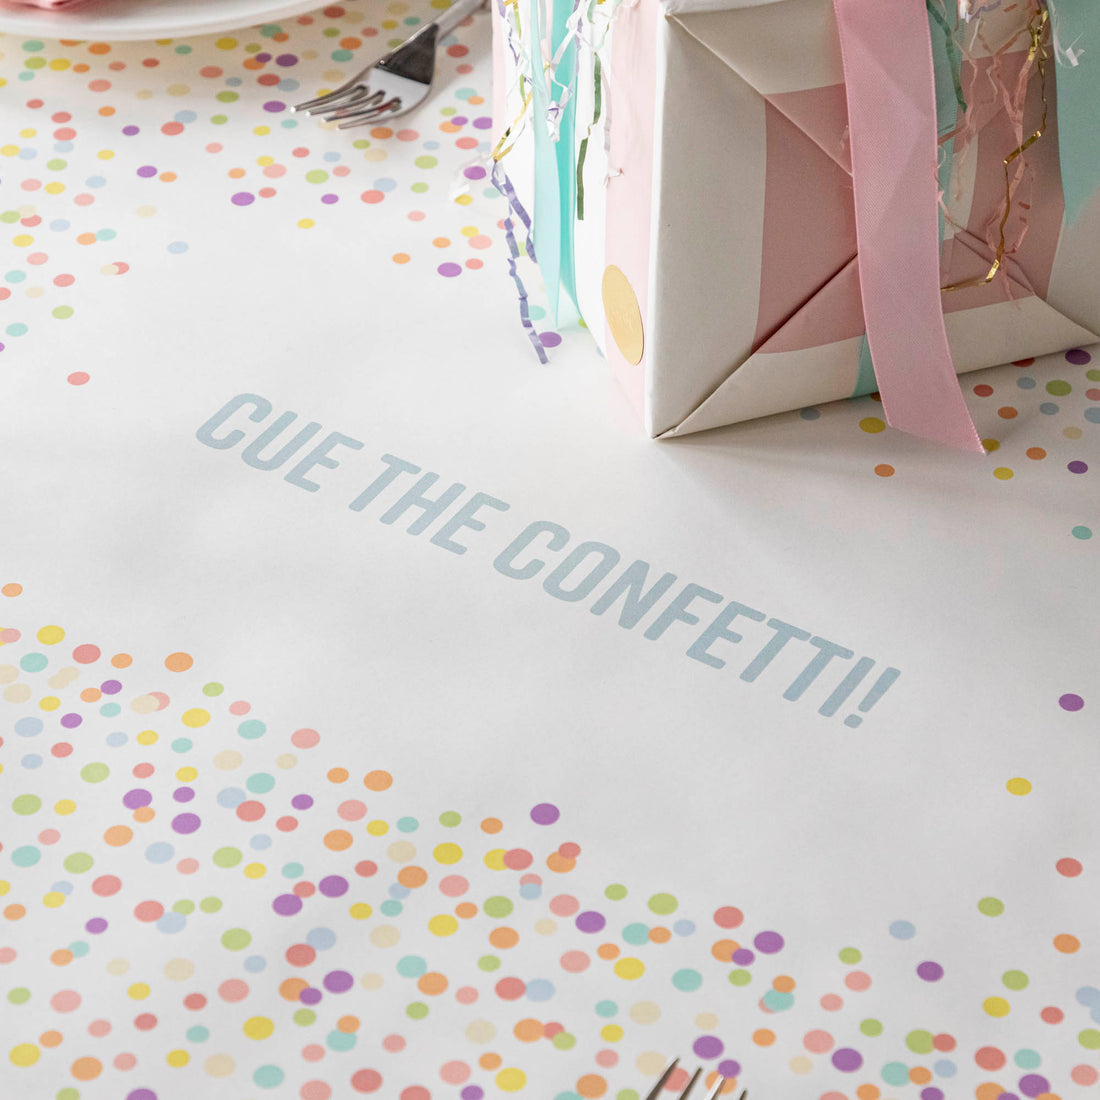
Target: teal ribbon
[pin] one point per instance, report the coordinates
(555, 167)
(1076, 25)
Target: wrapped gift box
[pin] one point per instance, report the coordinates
(716, 258)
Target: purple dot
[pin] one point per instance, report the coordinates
(274, 106)
(141, 1094)
(129, 131)
(1008, 1096)
(1069, 701)
(708, 1046)
(286, 60)
(310, 996)
(729, 1068)
(545, 813)
(338, 981)
(110, 687)
(329, 199)
(243, 198)
(931, 1093)
(930, 971)
(95, 926)
(483, 123)
(743, 956)
(449, 271)
(1077, 467)
(183, 794)
(847, 1060)
(71, 721)
(768, 943)
(1078, 357)
(458, 120)
(146, 170)
(186, 823)
(474, 173)
(1034, 1084)
(286, 905)
(136, 798)
(590, 921)
(264, 57)
(549, 339)
(301, 801)
(333, 886)
(472, 1092)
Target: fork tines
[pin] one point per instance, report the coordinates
(670, 1069)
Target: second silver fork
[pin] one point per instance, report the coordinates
(670, 1069)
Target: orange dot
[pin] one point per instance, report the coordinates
(337, 775)
(476, 100)
(412, 876)
(465, 910)
(348, 1024)
(1036, 453)
(14, 912)
(868, 1092)
(168, 177)
(919, 1075)
(988, 1090)
(504, 938)
(723, 950)
(118, 835)
(252, 63)
(351, 43)
(99, 47)
(91, 695)
(763, 1037)
(87, 1069)
(591, 1084)
(401, 257)
(290, 989)
(1066, 943)
(235, 173)
(659, 935)
(442, 242)
(489, 1061)
(884, 469)
(61, 957)
(559, 864)
(378, 781)
(122, 660)
(12, 589)
(85, 238)
(106, 112)
(607, 951)
(528, 1031)
(50, 1038)
(338, 840)
(492, 825)
(381, 132)
(432, 984)
(143, 814)
(783, 984)
(1007, 412)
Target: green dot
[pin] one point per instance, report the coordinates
(219, 120)
(35, 63)
(361, 143)
(185, 907)
(497, 907)
(564, 1041)
(920, 1042)
(27, 856)
(253, 47)
(1093, 375)
(63, 313)
(663, 904)
(227, 857)
(78, 862)
(1081, 532)
(183, 49)
(9, 216)
(991, 907)
(33, 45)
(316, 175)
(636, 934)
(426, 161)
(449, 819)
(627, 1094)
(94, 773)
(1058, 388)
(236, 939)
(895, 1073)
(419, 188)
(1089, 1039)
(56, 164)
(304, 1017)
(687, 981)
(293, 870)
(446, 112)
(68, 1094)
(268, 1077)
(417, 1010)
(212, 689)
(606, 1009)
(210, 905)
(488, 962)
(26, 804)
(871, 1027)
(227, 97)
(260, 783)
(1014, 979)
(19, 996)
(850, 955)
(740, 977)
(17, 328)
(330, 32)
(342, 55)
(615, 892)
(340, 1041)
(1028, 1059)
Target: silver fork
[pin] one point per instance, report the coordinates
(399, 82)
(655, 1093)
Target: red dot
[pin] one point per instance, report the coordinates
(106, 885)
(1071, 868)
(728, 917)
(301, 151)
(366, 868)
(64, 133)
(61, 750)
(148, 911)
(1052, 1015)
(150, 62)
(194, 1001)
(145, 1022)
(300, 954)
(143, 771)
(983, 390)
(990, 1058)
(86, 654)
(944, 1042)
(366, 1080)
(569, 850)
(78, 378)
(510, 989)
(517, 859)
(304, 889)
(372, 196)
(251, 810)
(172, 128)
(63, 280)
(457, 51)
(286, 824)
(210, 71)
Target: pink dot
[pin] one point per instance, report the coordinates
(553, 1028)
(161, 698)
(417, 215)
(31, 185)
(98, 1028)
(1068, 867)
(989, 1058)
(214, 147)
(314, 1052)
(352, 810)
(7, 955)
(63, 280)
(372, 196)
(453, 886)
(286, 824)
(857, 980)
(341, 170)
(49, 836)
(61, 749)
(415, 1092)
(518, 859)
(366, 1080)
(574, 962)
(817, 1042)
(481, 241)
(315, 1090)
(86, 654)
(172, 128)
(143, 770)
(187, 866)
(454, 1073)
(106, 885)
(78, 378)
(266, 192)
(1052, 1015)
(84, 199)
(65, 1000)
(728, 917)
(832, 1003)
(148, 911)
(475, 264)
(125, 1061)
(239, 707)
(305, 738)
(37, 258)
(466, 995)
(233, 990)
(407, 135)
(99, 85)
(9, 634)
(607, 1058)
(301, 151)
(564, 905)
(1084, 1075)
(464, 69)
(393, 1043)
(274, 171)
(466, 143)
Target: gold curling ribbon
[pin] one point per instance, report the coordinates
(1037, 55)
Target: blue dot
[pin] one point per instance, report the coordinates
(29, 727)
(810, 414)
(261, 842)
(172, 923)
(540, 990)
(233, 81)
(59, 225)
(331, 155)
(902, 930)
(62, 146)
(1095, 1014)
(110, 710)
(606, 1009)
(95, 181)
(176, 248)
(683, 927)
(254, 964)
(1088, 995)
(385, 184)
(198, 1034)
(1025, 382)
(390, 908)
(400, 892)
(288, 85)
(31, 761)
(529, 891)
(293, 870)
(491, 193)
(1092, 415)
(159, 852)
(1048, 408)
(63, 887)
(945, 1068)
(116, 739)
(182, 744)
(230, 797)
(27, 154)
(431, 146)
(26, 75)
(186, 116)
(320, 939)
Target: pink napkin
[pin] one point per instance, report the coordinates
(49, 5)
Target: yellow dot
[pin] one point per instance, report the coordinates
(5, 886)
(178, 89)
(220, 1065)
(258, 1027)
(227, 760)
(286, 760)
(25, 1054)
(469, 231)
(991, 445)
(261, 131)
(50, 635)
(360, 911)
(145, 211)
(138, 991)
(54, 188)
(377, 828)
(264, 162)
(60, 64)
(494, 859)
(64, 807)
(147, 737)
(1071, 433)
(1002, 473)
(645, 1012)
(464, 200)
(49, 702)
(443, 925)
(105, 154)
(612, 1033)
(629, 969)
(801, 1064)
(306, 223)
(118, 967)
(255, 870)
(178, 1058)
(28, 133)
(996, 1006)
(54, 899)
(9, 150)
(372, 981)
(872, 424)
(511, 1079)
(22, 240)
(226, 43)
(196, 717)
(447, 853)
(185, 775)
(179, 970)
(385, 935)
(1018, 786)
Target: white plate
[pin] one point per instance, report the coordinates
(123, 20)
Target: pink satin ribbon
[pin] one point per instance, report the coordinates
(890, 88)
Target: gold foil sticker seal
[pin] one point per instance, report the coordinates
(624, 318)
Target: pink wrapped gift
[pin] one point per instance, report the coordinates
(787, 202)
